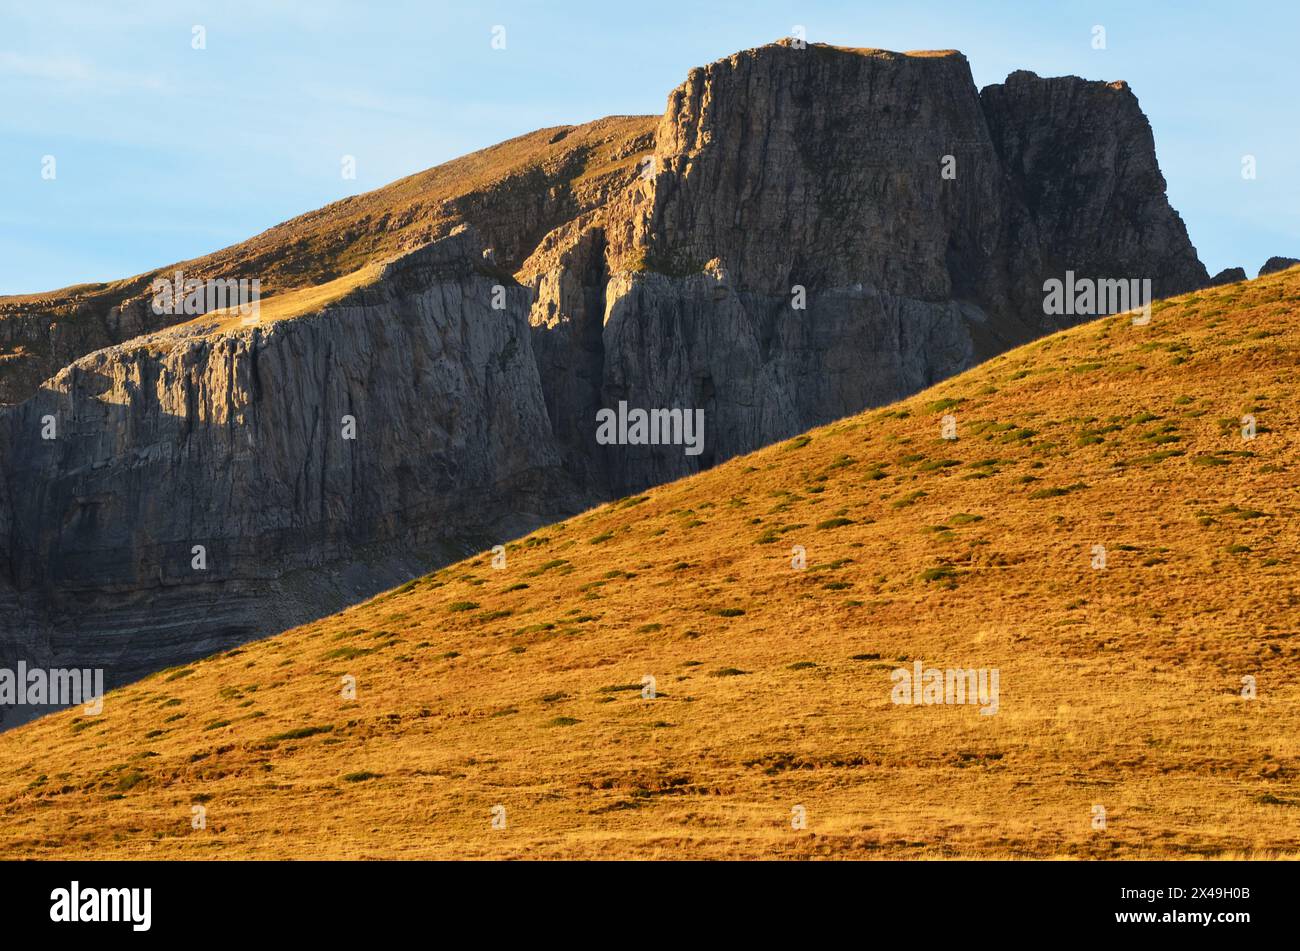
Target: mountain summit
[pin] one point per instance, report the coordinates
(805, 233)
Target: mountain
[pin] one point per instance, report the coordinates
(1150, 684)
(515, 193)
(806, 232)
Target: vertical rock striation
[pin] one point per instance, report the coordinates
(916, 217)
(1087, 193)
(238, 442)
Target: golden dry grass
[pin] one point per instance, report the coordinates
(286, 306)
(517, 190)
(521, 687)
(579, 161)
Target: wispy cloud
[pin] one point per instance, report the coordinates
(74, 71)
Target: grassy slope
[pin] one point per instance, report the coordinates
(520, 687)
(497, 188)
(339, 238)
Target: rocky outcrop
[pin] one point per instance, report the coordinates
(827, 229)
(822, 167)
(1275, 264)
(797, 254)
(1088, 196)
(1229, 275)
(817, 231)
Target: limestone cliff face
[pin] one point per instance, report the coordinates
(1080, 161)
(568, 278)
(821, 167)
(796, 254)
(817, 231)
(240, 442)
(915, 218)
(759, 370)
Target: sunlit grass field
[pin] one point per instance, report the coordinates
(503, 712)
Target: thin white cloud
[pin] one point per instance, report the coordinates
(73, 71)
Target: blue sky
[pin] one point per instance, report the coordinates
(165, 152)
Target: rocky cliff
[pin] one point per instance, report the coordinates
(200, 489)
(826, 229)
(815, 231)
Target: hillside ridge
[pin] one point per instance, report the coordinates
(506, 712)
